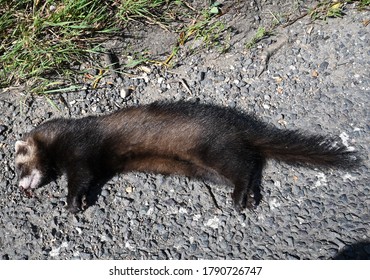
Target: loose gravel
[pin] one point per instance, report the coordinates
(310, 75)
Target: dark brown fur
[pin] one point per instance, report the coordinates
(201, 141)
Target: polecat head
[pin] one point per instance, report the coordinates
(29, 163)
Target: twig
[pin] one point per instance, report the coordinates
(270, 52)
(212, 196)
(156, 22)
(188, 6)
(185, 85)
(294, 20)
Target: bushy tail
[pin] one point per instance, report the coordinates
(295, 147)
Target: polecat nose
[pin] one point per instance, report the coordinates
(24, 183)
(23, 186)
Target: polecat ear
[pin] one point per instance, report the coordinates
(21, 147)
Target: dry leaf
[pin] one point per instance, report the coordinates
(129, 189)
(145, 69)
(309, 30)
(337, 6)
(278, 79)
(314, 73)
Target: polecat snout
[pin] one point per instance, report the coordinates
(196, 140)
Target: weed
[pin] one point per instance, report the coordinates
(260, 34)
(327, 9)
(136, 60)
(206, 27)
(363, 4)
(322, 11)
(334, 9)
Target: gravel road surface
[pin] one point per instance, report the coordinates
(309, 75)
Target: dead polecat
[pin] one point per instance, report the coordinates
(196, 140)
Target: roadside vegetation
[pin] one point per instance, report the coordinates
(322, 11)
(44, 39)
(41, 40)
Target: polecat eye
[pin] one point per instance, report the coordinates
(22, 170)
(19, 166)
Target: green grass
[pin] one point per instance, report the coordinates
(42, 41)
(334, 9)
(261, 33)
(362, 4)
(206, 27)
(39, 38)
(327, 9)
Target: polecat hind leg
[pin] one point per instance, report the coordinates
(247, 187)
(255, 183)
(243, 168)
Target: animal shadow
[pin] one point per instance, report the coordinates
(356, 251)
